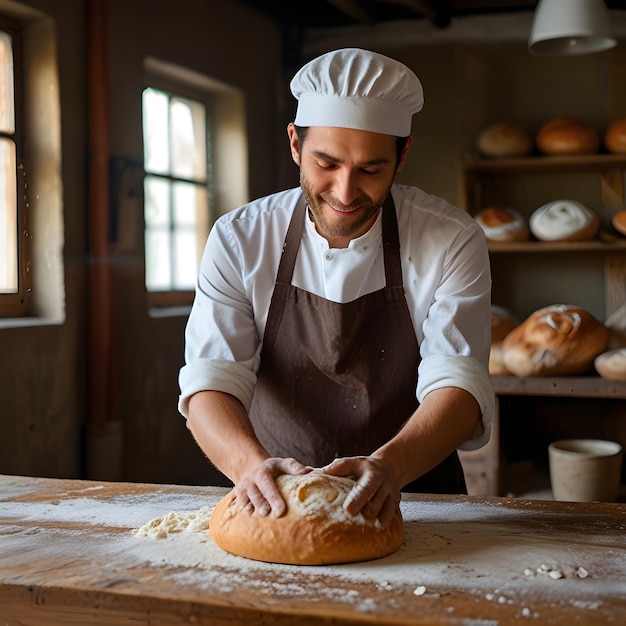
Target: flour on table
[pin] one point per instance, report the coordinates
(176, 522)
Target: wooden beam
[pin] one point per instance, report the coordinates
(354, 10)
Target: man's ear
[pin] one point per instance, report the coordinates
(405, 151)
(294, 143)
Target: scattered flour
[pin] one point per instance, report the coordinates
(176, 522)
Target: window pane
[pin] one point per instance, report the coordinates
(175, 201)
(7, 108)
(185, 204)
(158, 260)
(156, 202)
(188, 122)
(191, 230)
(8, 218)
(156, 131)
(185, 259)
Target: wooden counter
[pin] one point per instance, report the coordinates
(68, 555)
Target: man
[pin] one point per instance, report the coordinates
(344, 324)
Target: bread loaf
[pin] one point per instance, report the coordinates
(315, 530)
(563, 220)
(615, 137)
(612, 364)
(558, 340)
(566, 136)
(619, 222)
(505, 139)
(502, 224)
(502, 323)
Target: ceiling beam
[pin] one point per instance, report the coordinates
(353, 10)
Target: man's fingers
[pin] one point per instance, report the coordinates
(373, 508)
(258, 493)
(388, 511)
(291, 466)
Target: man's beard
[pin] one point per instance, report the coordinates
(368, 208)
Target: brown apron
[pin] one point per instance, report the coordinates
(337, 379)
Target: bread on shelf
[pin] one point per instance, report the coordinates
(557, 340)
(567, 136)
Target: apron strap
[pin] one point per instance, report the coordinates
(292, 243)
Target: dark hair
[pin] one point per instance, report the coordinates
(301, 131)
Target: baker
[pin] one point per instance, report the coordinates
(343, 324)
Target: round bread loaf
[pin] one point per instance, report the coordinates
(502, 323)
(563, 220)
(315, 530)
(615, 137)
(502, 224)
(612, 364)
(558, 340)
(505, 140)
(567, 135)
(619, 222)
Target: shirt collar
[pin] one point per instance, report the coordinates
(367, 239)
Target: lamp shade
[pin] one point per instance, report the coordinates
(568, 27)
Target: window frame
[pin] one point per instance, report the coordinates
(174, 89)
(19, 304)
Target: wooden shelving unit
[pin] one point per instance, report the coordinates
(485, 468)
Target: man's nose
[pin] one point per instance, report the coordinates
(346, 187)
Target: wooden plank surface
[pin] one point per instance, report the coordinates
(566, 386)
(68, 555)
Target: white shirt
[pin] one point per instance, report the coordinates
(446, 276)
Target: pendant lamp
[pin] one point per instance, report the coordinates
(569, 27)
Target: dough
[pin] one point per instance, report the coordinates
(558, 340)
(315, 530)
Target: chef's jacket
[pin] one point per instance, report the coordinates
(447, 280)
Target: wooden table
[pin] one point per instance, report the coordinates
(68, 555)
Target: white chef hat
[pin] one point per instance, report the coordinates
(354, 88)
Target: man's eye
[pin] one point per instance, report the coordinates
(370, 172)
(325, 165)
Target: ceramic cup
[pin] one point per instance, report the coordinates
(585, 470)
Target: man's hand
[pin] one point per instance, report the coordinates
(375, 495)
(256, 491)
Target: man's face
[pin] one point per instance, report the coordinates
(345, 176)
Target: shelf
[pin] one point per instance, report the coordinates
(547, 164)
(607, 243)
(565, 386)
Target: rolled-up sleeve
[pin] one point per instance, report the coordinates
(436, 372)
(450, 291)
(221, 339)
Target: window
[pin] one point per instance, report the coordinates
(196, 169)
(176, 193)
(14, 287)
